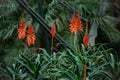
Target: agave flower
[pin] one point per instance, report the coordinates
(53, 31)
(86, 38)
(22, 29)
(31, 35)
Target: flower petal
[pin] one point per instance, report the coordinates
(31, 39)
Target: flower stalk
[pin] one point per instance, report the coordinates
(53, 33)
(85, 72)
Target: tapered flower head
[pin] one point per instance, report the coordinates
(22, 29)
(30, 29)
(31, 35)
(73, 26)
(53, 30)
(86, 37)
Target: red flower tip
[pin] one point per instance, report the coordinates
(86, 38)
(73, 18)
(53, 31)
(22, 29)
(30, 29)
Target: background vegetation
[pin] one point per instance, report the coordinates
(104, 19)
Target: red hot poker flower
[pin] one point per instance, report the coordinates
(22, 29)
(73, 26)
(31, 35)
(53, 31)
(86, 38)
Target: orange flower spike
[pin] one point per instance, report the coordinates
(86, 38)
(22, 29)
(53, 31)
(31, 35)
(79, 22)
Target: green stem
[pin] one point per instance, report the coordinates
(52, 45)
(75, 42)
